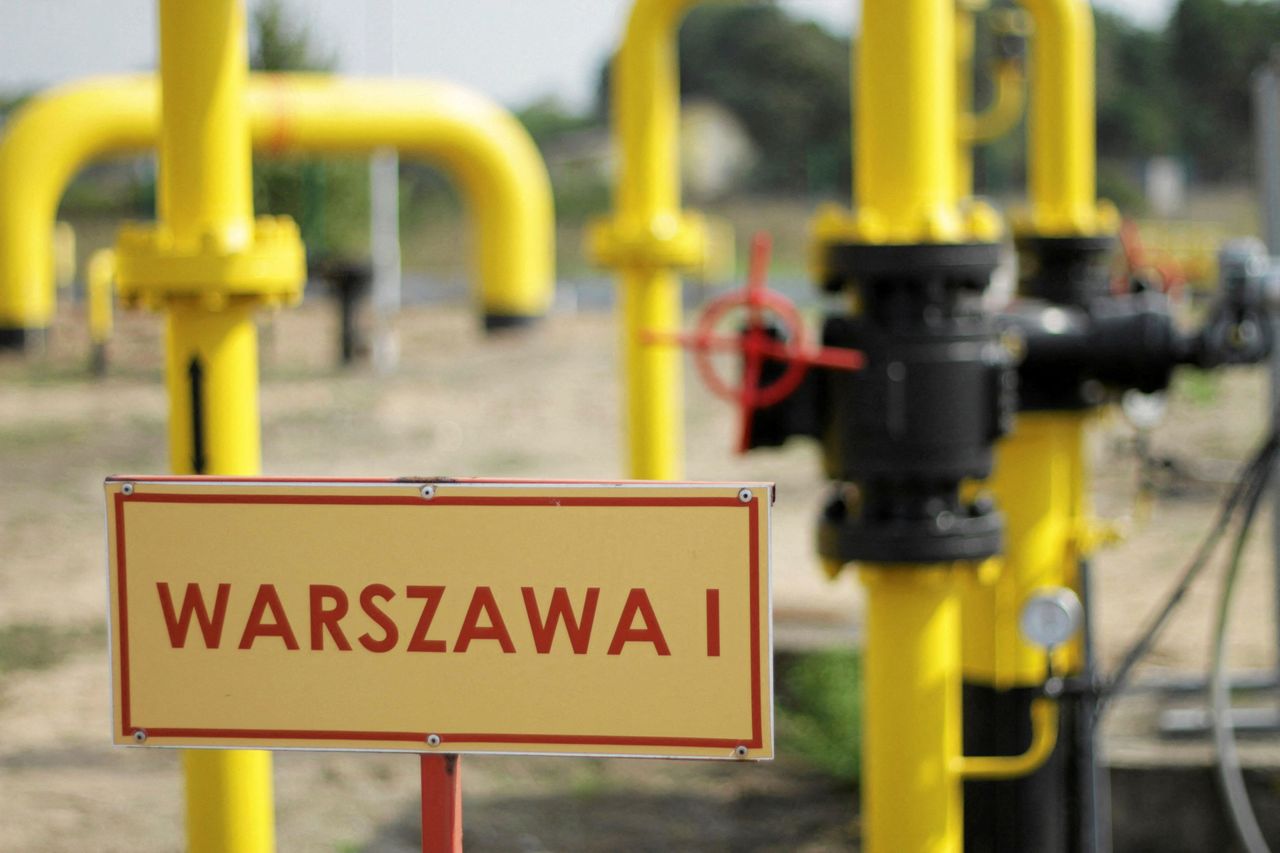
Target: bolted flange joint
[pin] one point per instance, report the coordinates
(664, 242)
(153, 268)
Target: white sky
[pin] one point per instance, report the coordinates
(513, 50)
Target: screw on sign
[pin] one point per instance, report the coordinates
(765, 310)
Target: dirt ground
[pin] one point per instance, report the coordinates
(544, 404)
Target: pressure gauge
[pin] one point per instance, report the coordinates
(1050, 617)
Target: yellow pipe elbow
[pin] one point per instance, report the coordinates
(45, 144)
(494, 161)
(1004, 110)
(1044, 738)
(499, 171)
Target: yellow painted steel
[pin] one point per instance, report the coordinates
(1039, 484)
(500, 174)
(1061, 156)
(226, 795)
(650, 239)
(911, 798)
(904, 146)
(1044, 739)
(496, 165)
(210, 265)
(45, 143)
(100, 283)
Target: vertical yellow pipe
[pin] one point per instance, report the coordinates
(647, 106)
(906, 192)
(911, 729)
(206, 189)
(206, 206)
(100, 279)
(1039, 483)
(1061, 180)
(905, 135)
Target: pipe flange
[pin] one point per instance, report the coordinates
(152, 269)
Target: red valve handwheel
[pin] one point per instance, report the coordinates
(756, 343)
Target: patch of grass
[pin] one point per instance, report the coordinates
(34, 646)
(819, 711)
(1199, 387)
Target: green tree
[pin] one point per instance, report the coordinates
(1138, 114)
(1215, 46)
(785, 79)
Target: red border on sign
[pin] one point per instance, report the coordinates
(128, 729)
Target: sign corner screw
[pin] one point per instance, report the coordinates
(744, 495)
(740, 751)
(140, 735)
(126, 489)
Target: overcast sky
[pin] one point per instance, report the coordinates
(513, 50)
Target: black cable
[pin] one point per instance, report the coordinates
(1230, 776)
(1257, 468)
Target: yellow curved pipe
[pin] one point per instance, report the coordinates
(1044, 737)
(1002, 113)
(45, 144)
(1061, 163)
(490, 155)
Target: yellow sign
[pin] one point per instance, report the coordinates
(458, 616)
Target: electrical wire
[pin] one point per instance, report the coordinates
(1230, 774)
(1258, 465)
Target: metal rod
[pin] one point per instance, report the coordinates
(441, 804)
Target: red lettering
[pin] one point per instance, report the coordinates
(482, 600)
(193, 602)
(544, 632)
(431, 596)
(713, 623)
(268, 599)
(323, 618)
(638, 603)
(390, 634)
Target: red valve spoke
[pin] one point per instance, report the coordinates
(766, 310)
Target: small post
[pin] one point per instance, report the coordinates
(441, 804)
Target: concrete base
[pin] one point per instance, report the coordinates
(1164, 791)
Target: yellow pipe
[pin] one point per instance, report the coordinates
(911, 795)
(44, 145)
(1061, 180)
(100, 277)
(1044, 738)
(1001, 114)
(205, 207)
(1039, 483)
(487, 152)
(206, 181)
(649, 238)
(905, 135)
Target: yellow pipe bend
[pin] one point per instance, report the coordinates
(488, 152)
(1044, 738)
(1002, 113)
(46, 142)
